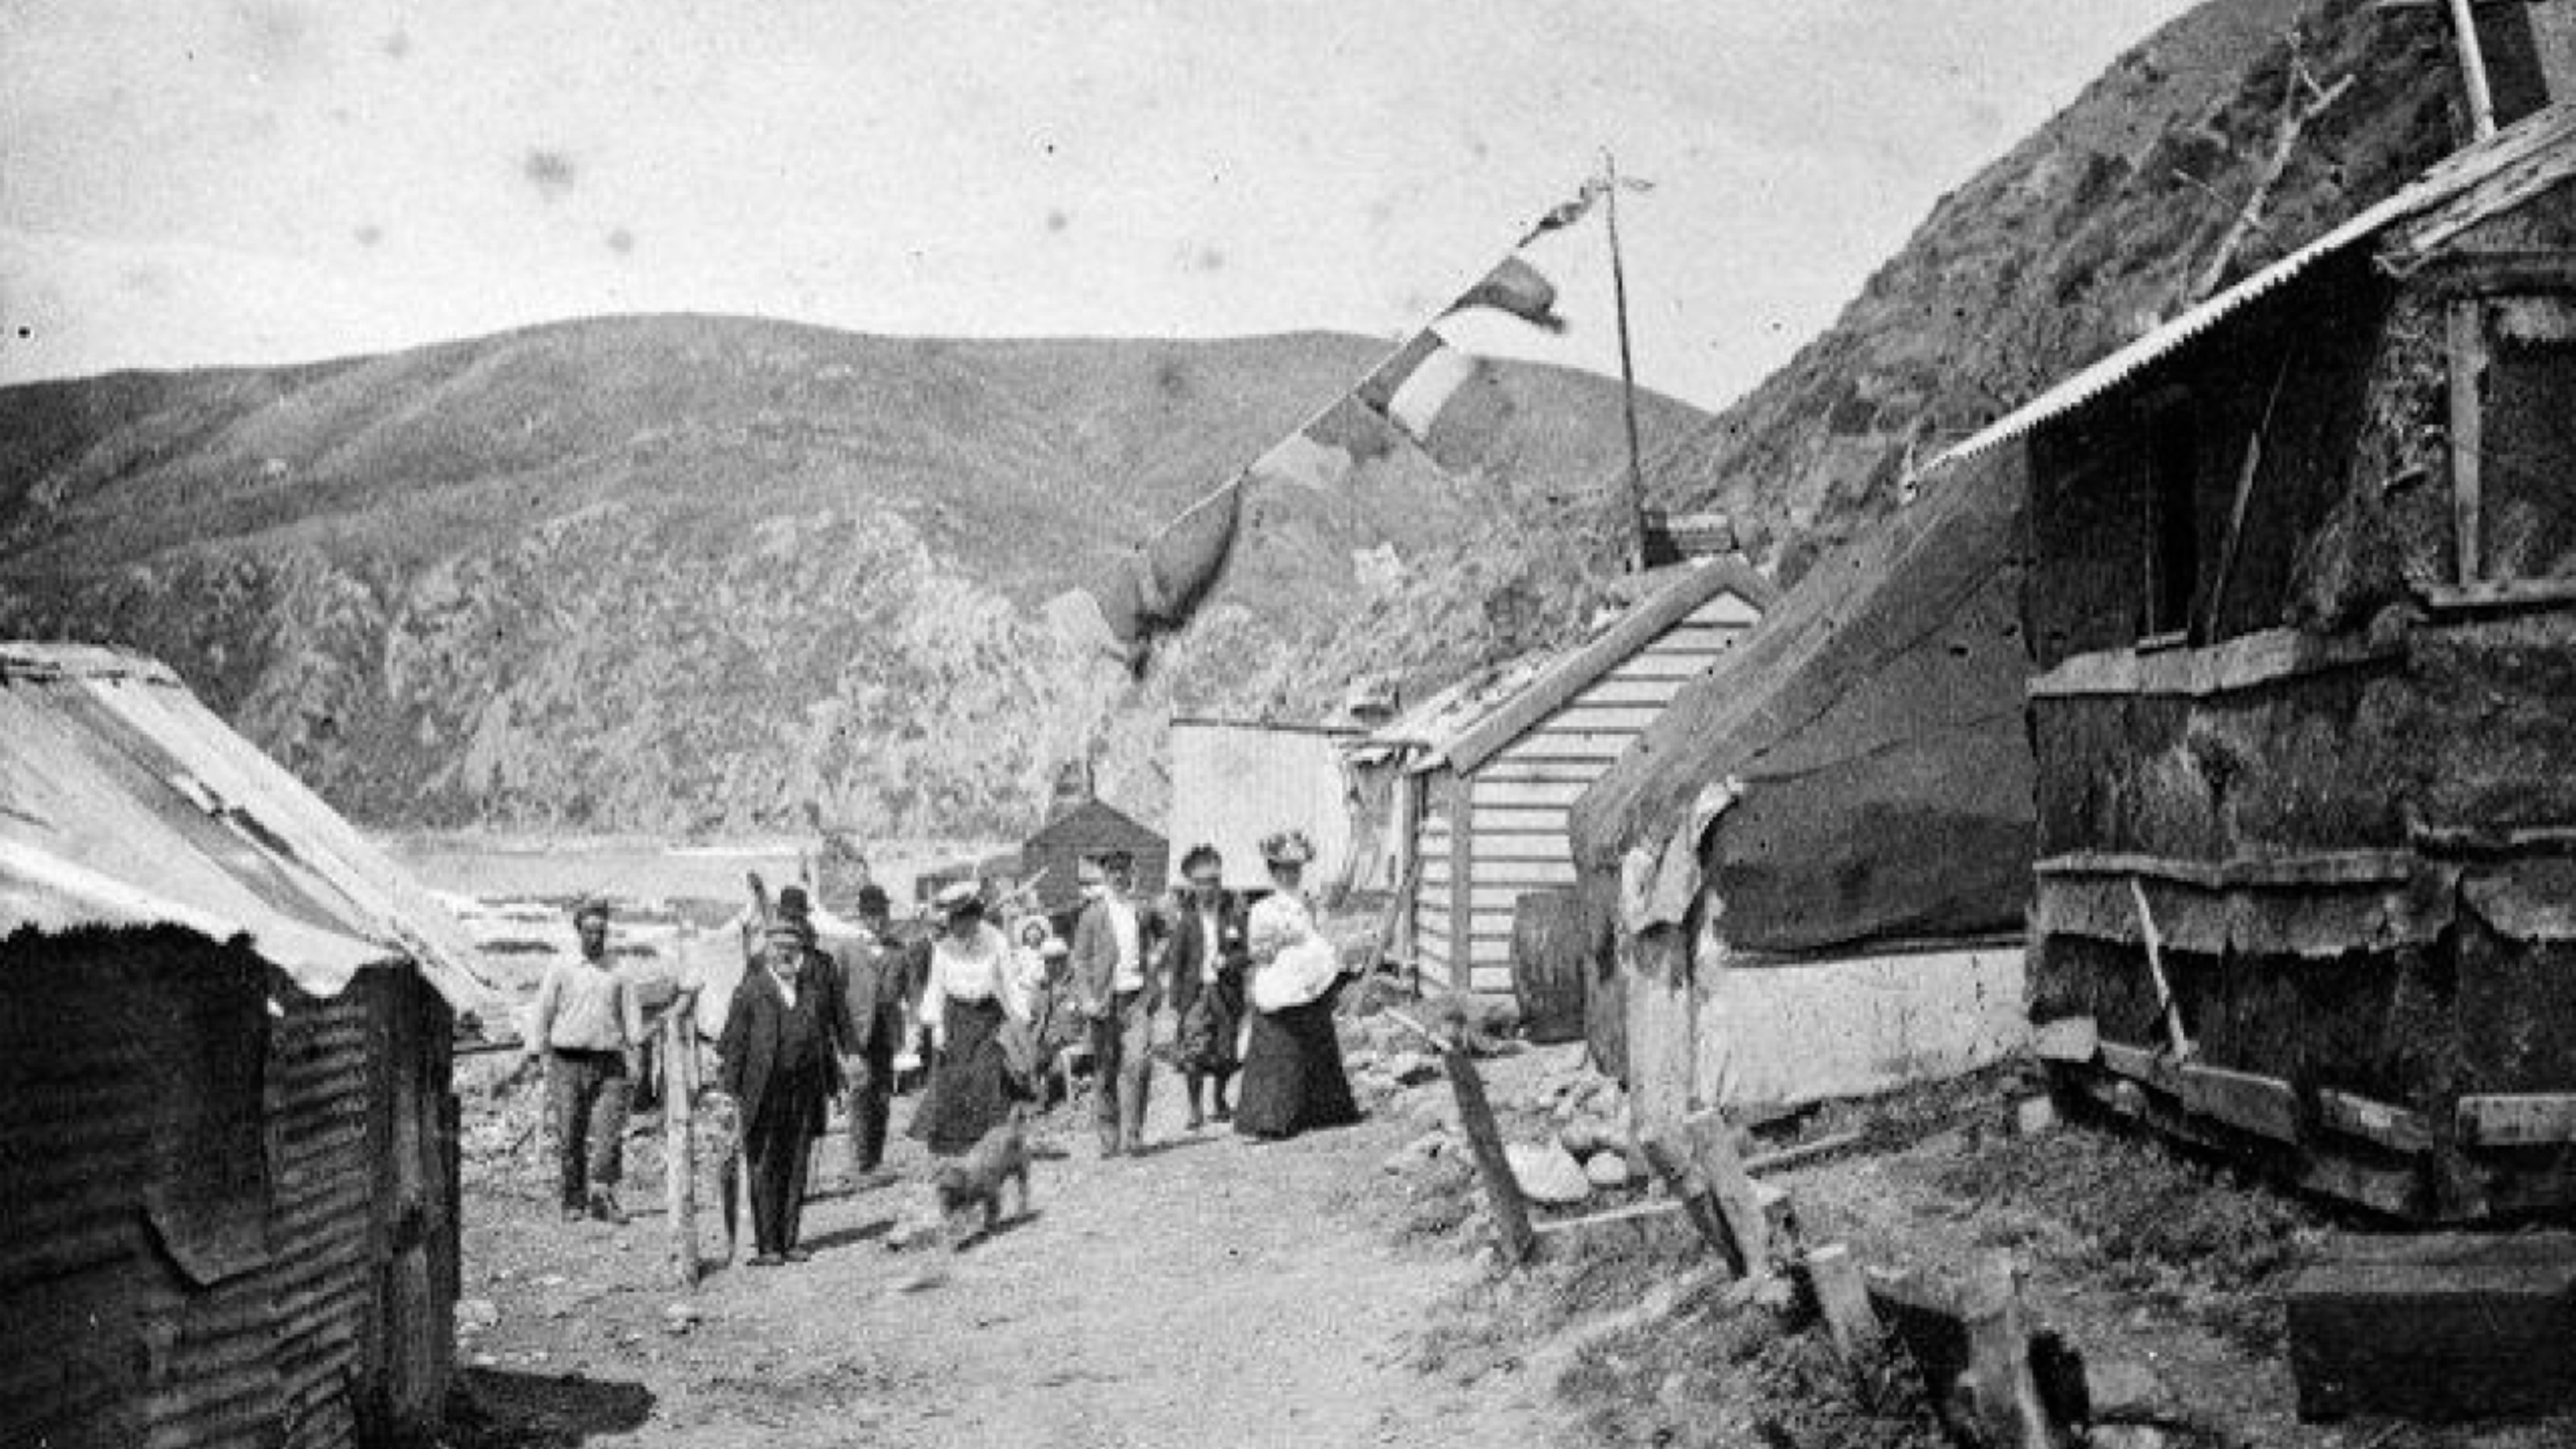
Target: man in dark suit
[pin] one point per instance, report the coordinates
(782, 1066)
(876, 986)
(1203, 965)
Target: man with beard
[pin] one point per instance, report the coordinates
(782, 1067)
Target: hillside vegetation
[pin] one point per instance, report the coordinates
(684, 574)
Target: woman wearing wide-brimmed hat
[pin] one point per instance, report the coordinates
(963, 1007)
(1292, 1064)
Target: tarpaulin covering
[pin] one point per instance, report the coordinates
(1856, 769)
(125, 802)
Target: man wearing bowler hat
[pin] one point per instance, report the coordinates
(782, 1067)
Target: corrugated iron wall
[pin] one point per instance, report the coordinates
(197, 1243)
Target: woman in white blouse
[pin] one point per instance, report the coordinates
(963, 1005)
(1292, 1064)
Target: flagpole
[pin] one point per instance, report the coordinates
(1627, 368)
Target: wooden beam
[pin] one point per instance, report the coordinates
(2473, 69)
(1462, 867)
(2442, 1326)
(1637, 1227)
(2467, 349)
(2394, 1128)
(2067, 1039)
(2517, 1119)
(2264, 1106)
(2502, 273)
(1502, 1189)
(1974, 1349)
(2166, 1006)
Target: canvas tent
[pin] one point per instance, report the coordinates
(228, 1142)
(1480, 776)
(1812, 868)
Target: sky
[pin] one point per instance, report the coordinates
(186, 183)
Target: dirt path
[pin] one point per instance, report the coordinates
(1210, 1294)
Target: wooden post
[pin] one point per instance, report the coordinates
(2004, 1389)
(1476, 1119)
(2468, 356)
(679, 1133)
(2155, 945)
(2473, 70)
(1699, 1163)
(1627, 366)
(1843, 1299)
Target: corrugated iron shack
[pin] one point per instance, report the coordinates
(228, 1141)
(2303, 598)
(1483, 773)
(1235, 781)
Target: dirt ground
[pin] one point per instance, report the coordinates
(1211, 1293)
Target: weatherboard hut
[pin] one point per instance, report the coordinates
(1235, 781)
(1051, 860)
(228, 1140)
(2303, 602)
(1482, 773)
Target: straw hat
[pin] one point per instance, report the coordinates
(958, 897)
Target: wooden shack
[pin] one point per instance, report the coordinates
(228, 1141)
(2302, 597)
(1235, 781)
(1484, 771)
(1085, 830)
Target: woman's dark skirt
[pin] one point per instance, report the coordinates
(970, 1085)
(1292, 1073)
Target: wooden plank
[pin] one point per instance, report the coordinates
(2394, 1128)
(1536, 771)
(1652, 692)
(1675, 665)
(1599, 751)
(2517, 1119)
(2439, 1326)
(1645, 1227)
(1462, 871)
(1525, 874)
(1727, 612)
(2467, 349)
(1507, 845)
(2324, 867)
(2264, 1106)
(1545, 822)
(1603, 719)
(1973, 1349)
(2138, 1064)
(2067, 1039)
(1554, 795)
(1669, 1156)
(1502, 1190)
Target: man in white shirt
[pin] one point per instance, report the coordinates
(1119, 996)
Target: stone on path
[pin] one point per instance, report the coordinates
(1548, 1173)
(1606, 1169)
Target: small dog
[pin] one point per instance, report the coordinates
(1001, 1157)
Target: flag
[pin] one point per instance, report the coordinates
(1410, 388)
(1567, 213)
(1516, 287)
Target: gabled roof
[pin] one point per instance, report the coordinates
(124, 802)
(2472, 185)
(1469, 722)
(1092, 820)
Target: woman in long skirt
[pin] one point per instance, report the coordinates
(1292, 1066)
(963, 1008)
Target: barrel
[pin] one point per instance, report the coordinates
(1549, 965)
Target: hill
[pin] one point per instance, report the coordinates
(2083, 236)
(694, 573)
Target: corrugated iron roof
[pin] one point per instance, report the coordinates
(1467, 722)
(2469, 186)
(124, 801)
